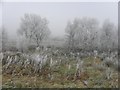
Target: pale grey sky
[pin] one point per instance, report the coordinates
(57, 13)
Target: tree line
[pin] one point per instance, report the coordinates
(81, 33)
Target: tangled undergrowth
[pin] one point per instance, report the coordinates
(56, 70)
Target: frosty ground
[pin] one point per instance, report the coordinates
(55, 69)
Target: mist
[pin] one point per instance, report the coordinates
(63, 45)
(58, 14)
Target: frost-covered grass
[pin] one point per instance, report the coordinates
(51, 70)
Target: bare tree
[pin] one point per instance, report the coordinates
(70, 33)
(89, 32)
(34, 28)
(4, 39)
(108, 35)
(82, 33)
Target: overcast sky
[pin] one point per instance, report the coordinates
(58, 14)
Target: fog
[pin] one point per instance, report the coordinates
(78, 48)
(58, 14)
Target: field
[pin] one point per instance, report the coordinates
(58, 71)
